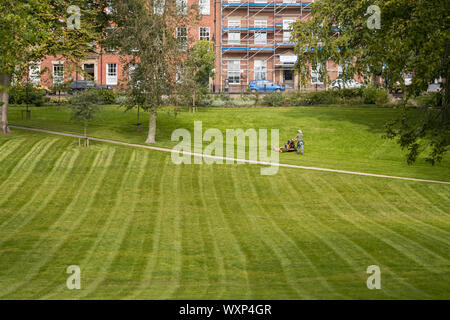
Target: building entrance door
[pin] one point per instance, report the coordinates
(89, 69)
(288, 79)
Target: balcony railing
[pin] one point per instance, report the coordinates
(267, 3)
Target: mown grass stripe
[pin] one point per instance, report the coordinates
(211, 237)
(229, 232)
(131, 178)
(44, 259)
(147, 275)
(377, 198)
(370, 226)
(53, 181)
(28, 163)
(356, 251)
(9, 147)
(279, 187)
(403, 238)
(277, 249)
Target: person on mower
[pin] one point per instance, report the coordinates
(300, 142)
(289, 146)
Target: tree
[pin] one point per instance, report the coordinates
(196, 71)
(388, 39)
(84, 107)
(32, 29)
(152, 35)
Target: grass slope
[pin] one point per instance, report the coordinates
(142, 227)
(347, 138)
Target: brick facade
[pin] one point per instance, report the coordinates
(252, 32)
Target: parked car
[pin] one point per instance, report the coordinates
(348, 84)
(264, 86)
(81, 85)
(434, 87)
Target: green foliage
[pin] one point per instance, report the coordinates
(31, 29)
(430, 100)
(147, 35)
(374, 95)
(106, 96)
(84, 105)
(420, 133)
(408, 41)
(121, 99)
(26, 94)
(58, 100)
(274, 99)
(194, 74)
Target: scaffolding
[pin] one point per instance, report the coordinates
(247, 48)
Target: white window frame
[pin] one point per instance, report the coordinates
(340, 70)
(234, 22)
(234, 1)
(183, 36)
(287, 24)
(260, 36)
(205, 30)
(204, 7)
(182, 6)
(34, 72)
(316, 77)
(158, 6)
(260, 69)
(234, 72)
(287, 36)
(111, 74)
(58, 78)
(234, 37)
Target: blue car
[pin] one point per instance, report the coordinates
(264, 86)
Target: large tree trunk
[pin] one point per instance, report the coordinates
(4, 82)
(151, 138)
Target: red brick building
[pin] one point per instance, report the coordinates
(251, 39)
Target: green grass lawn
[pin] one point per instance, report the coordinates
(347, 138)
(140, 226)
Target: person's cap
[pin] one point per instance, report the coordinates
(299, 131)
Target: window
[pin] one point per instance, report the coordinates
(158, 6)
(111, 74)
(131, 69)
(287, 29)
(340, 71)
(287, 36)
(34, 72)
(234, 37)
(260, 36)
(234, 1)
(204, 33)
(234, 71)
(289, 1)
(181, 6)
(204, 7)
(234, 23)
(260, 69)
(287, 24)
(316, 76)
(58, 73)
(109, 34)
(182, 37)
